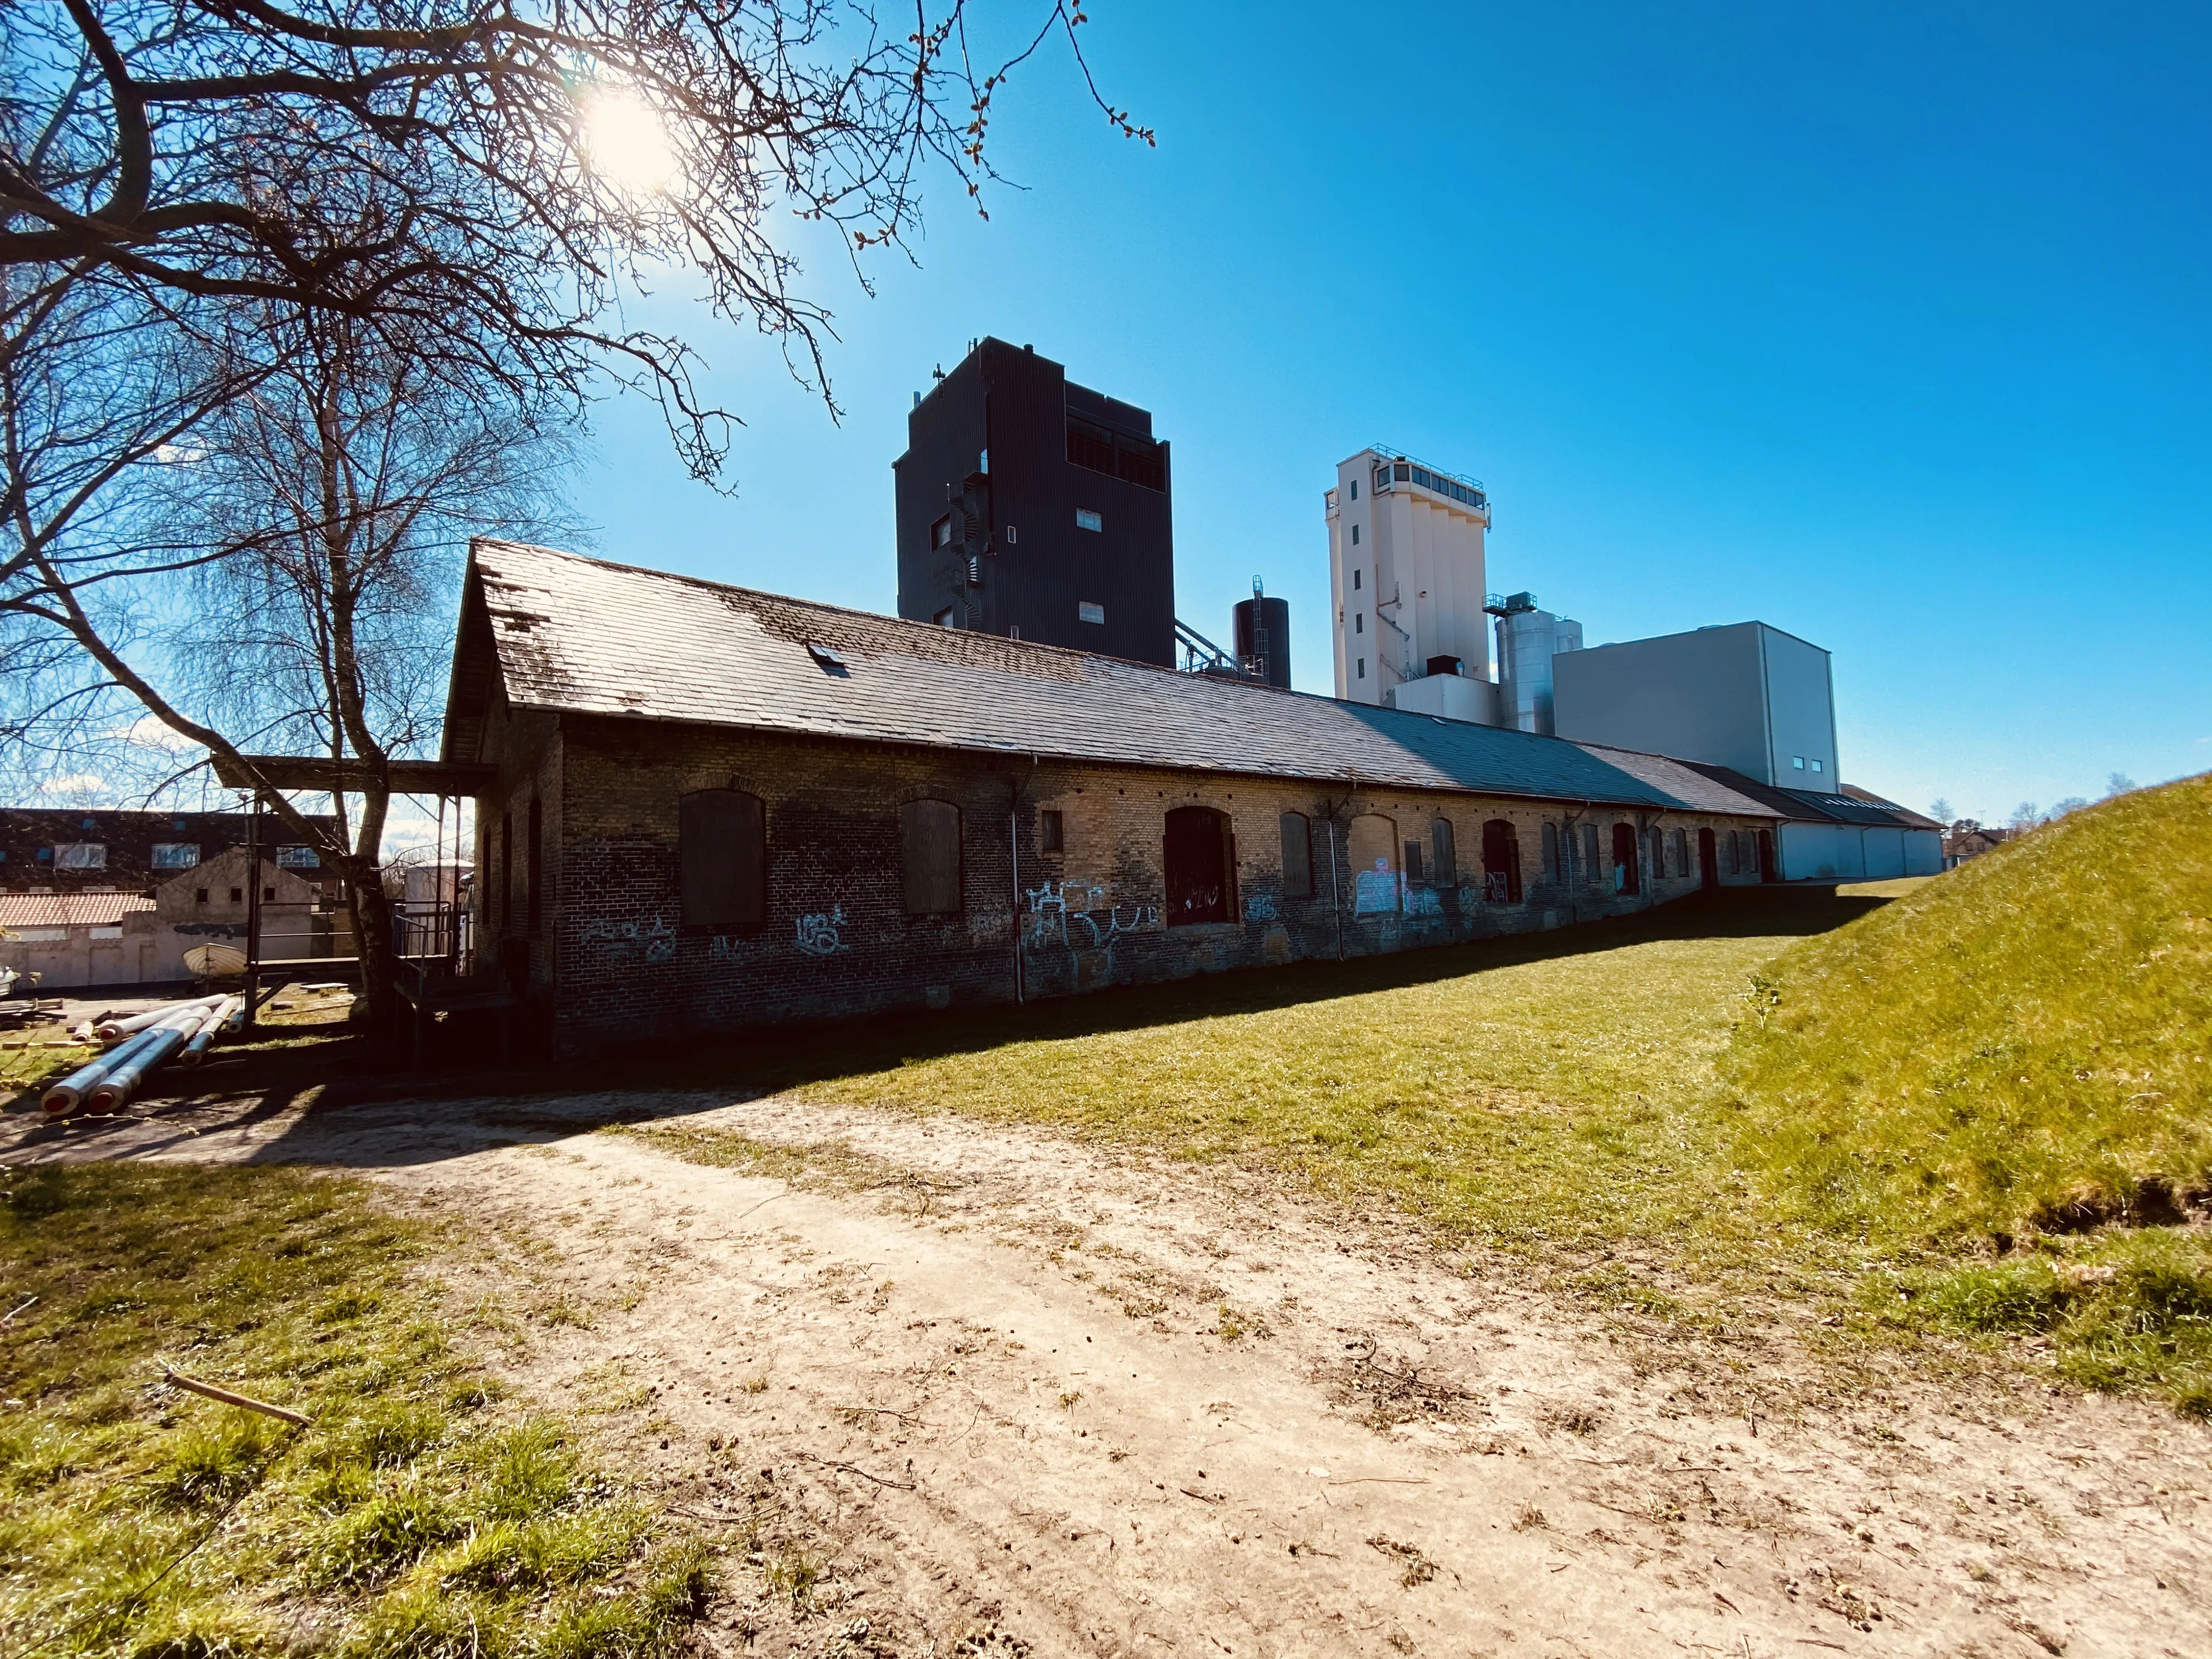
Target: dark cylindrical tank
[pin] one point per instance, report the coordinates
(1263, 639)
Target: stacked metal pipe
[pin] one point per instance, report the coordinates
(142, 1042)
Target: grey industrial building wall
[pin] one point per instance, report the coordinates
(612, 962)
(1747, 696)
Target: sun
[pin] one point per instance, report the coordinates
(627, 142)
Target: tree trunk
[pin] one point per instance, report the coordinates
(372, 937)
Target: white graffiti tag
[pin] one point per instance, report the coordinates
(654, 937)
(821, 934)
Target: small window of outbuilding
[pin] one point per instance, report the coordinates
(1501, 862)
(721, 856)
(1052, 831)
(1200, 861)
(931, 830)
(1447, 852)
(1297, 856)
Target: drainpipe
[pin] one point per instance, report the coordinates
(1336, 893)
(1014, 863)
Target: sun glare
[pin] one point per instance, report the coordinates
(627, 142)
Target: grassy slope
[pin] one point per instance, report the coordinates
(2018, 1045)
(2000, 1062)
(415, 1515)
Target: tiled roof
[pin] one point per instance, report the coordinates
(1847, 806)
(69, 909)
(585, 636)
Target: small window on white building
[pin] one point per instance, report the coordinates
(1355, 489)
(175, 855)
(1360, 622)
(1355, 535)
(1816, 765)
(1086, 611)
(1363, 668)
(1798, 762)
(1355, 581)
(1086, 520)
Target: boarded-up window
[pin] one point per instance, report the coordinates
(1678, 856)
(1297, 856)
(1501, 862)
(1624, 860)
(1199, 860)
(1374, 852)
(1447, 852)
(722, 858)
(1413, 862)
(1551, 852)
(1052, 831)
(931, 829)
(1593, 866)
(1658, 844)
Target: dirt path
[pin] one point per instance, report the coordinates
(1017, 1395)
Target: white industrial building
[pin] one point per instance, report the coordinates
(1407, 587)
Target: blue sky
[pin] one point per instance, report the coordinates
(1889, 326)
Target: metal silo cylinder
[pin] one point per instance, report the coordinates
(1262, 631)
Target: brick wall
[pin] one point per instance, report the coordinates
(615, 963)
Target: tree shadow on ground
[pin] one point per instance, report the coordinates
(343, 1074)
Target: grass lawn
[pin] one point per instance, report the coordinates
(417, 1513)
(1551, 1095)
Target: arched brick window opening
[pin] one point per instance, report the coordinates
(930, 831)
(1200, 864)
(1593, 865)
(721, 837)
(1623, 860)
(1297, 856)
(1709, 859)
(1766, 869)
(1551, 851)
(1374, 851)
(1658, 851)
(1501, 862)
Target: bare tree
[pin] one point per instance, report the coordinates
(322, 518)
(484, 177)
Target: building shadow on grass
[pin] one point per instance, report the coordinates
(363, 1108)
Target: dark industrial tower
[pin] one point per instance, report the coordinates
(1263, 630)
(1036, 509)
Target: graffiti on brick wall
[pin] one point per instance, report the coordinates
(652, 939)
(1375, 891)
(1067, 914)
(1261, 906)
(724, 947)
(822, 934)
(1424, 901)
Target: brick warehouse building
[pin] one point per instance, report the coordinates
(718, 808)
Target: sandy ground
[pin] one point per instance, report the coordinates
(979, 1391)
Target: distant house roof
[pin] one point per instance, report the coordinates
(100, 910)
(561, 632)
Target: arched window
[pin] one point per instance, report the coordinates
(1709, 859)
(931, 832)
(1678, 855)
(1623, 860)
(721, 838)
(1501, 862)
(1767, 871)
(1593, 865)
(1373, 849)
(1731, 853)
(1658, 853)
(1551, 851)
(1446, 873)
(1297, 856)
(1199, 859)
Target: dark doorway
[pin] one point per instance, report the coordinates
(1766, 870)
(1623, 860)
(1200, 861)
(1709, 859)
(1501, 862)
